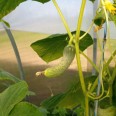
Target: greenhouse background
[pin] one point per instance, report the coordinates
(31, 21)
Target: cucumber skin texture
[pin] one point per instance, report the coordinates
(68, 56)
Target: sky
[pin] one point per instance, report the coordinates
(37, 17)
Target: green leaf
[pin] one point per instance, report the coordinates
(59, 112)
(42, 1)
(69, 99)
(85, 42)
(7, 6)
(27, 109)
(6, 23)
(92, 1)
(7, 76)
(114, 1)
(110, 111)
(11, 96)
(99, 18)
(51, 48)
(31, 93)
(80, 111)
(72, 99)
(53, 101)
(114, 92)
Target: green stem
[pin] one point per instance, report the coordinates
(90, 61)
(86, 105)
(113, 76)
(63, 18)
(77, 46)
(110, 93)
(90, 27)
(94, 85)
(82, 81)
(80, 68)
(110, 59)
(80, 20)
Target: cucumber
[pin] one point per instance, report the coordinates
(68, 56)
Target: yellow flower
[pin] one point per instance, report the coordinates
(109, 6)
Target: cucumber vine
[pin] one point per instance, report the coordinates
(88, 93)
(103, 85)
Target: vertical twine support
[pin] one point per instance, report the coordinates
(100, 73)
(95, 5)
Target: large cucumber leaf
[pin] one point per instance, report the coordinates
(7, 6)
(69, 99)
(53, 101)
(51, 48)
(11, 96)
(27, 109)
(7, 76)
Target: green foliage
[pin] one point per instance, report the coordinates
(55, 44)
(69, 99)
(92, 1)
(7, 76)
(99, 18)
(114, 92)
(27, 109)
(11, 96)
(5, 22)
(74, 97)
(59, 112)
(85, 42)
(42, 1)
(53, 101)
(114, 1)
(7, 6)
(80, 111)
(110, 111)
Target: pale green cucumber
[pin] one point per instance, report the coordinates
(68, 56)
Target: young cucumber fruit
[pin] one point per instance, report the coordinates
(68, 56)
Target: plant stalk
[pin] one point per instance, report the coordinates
(62, 18)
(80, 20)
(82, 81)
